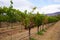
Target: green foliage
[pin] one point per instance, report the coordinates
(13, 15)
(26, 22)
(9, 14)
(52, 19)
(38, 19)
(58, 16)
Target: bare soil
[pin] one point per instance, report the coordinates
(53, 33)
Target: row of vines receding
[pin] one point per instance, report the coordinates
(28, 19)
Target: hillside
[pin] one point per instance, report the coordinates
(53, 14)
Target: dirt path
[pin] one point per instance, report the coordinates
(53, 33)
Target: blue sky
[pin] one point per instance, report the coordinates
(46, 6)
(40, 3)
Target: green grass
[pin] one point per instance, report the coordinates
(32, 39)
(40, 33)
(44, 30)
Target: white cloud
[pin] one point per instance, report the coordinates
(25, 4)
(50, 9)
(18, 4)
(56, 0)
(4, 2)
